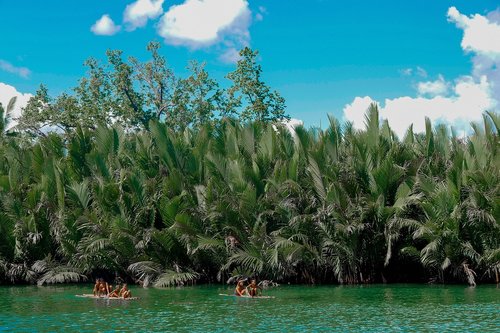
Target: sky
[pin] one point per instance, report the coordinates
(416, 59)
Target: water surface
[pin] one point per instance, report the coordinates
(378, 308)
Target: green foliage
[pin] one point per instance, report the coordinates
(186, 197)
(129, 93)
(51, 272)
(5, 115)
(248, 90)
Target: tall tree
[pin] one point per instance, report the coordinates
(249, 91)
(158, 83)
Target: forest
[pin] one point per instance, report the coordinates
(160, 180)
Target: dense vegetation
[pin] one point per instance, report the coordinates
(166, 202)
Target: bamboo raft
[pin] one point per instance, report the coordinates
(106, 297)
(250, 297)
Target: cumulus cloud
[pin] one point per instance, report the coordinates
(138, 13)
(193, 23)
(433, 88)
(469, 100)
(456, 103)
(355, 112)
(201, 23)
(20, 71)
(105, 26)
(6, 93)
(481, 35)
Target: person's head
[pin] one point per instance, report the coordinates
(253, 282)
(241, 283)
(125, 285)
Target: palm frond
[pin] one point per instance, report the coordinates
(171, 278)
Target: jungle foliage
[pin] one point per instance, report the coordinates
(232, 192)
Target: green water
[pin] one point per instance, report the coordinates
(380, 308)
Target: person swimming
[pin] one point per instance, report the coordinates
(240, 288)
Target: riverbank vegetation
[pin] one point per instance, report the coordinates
(141, 175)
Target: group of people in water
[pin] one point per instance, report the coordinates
(103, 289)
(250, 290)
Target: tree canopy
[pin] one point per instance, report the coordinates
(130, 93)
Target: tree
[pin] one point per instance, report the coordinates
(197, 98)
(251, 93)
(197, 196)
(158, 83)
(130, 92)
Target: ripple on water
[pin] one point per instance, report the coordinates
(397, 308)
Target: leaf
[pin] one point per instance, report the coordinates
(316, 178)
(10, 106)
(172, 278)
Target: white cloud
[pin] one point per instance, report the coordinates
(6, 93)
(481, 35)
(433, 88)
(469, 100)
(105, 26)
(138, 13)
(355, 112)
(200, 23)
(456, 103)
(290, 125)
(482, 39)
(20, 71)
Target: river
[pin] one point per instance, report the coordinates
(374, 308)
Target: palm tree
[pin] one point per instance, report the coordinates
(230, 199)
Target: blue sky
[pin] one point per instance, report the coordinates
(323, 56)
